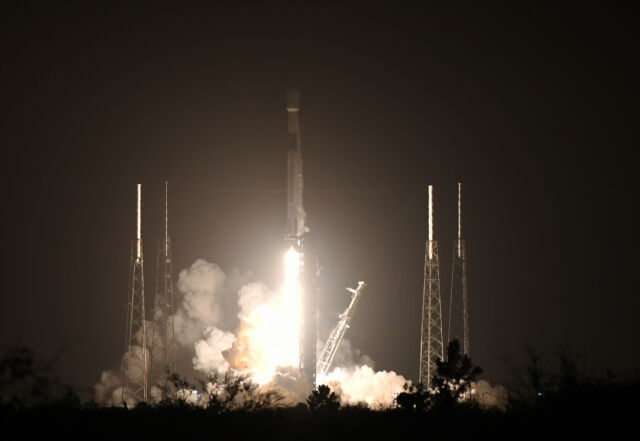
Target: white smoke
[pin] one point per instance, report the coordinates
(204, 285)
(208, 358)
(288, 383)
(354, 378)
(109, 381)
(361, 384)
(251, 296)
(209, 300)
(213, 305)
(200, 283)
(489, 396)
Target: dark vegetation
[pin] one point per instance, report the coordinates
(549, 397)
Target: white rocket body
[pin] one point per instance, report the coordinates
(296, 215)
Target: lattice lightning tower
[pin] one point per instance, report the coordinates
(431, 348)
(134, 366)
(163, 335)
(458, 308)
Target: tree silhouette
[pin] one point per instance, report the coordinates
(454, 376)
(448, 386)
(220, 393)
(26, 381)
(415, 397)
(323, 399)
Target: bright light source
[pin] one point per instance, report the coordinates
(269, 337)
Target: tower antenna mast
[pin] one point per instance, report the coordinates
(163, 336)
(134, 368)
(458, 327)
(431, 334)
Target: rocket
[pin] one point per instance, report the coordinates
(296, 215)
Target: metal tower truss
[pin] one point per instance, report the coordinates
(458, 327)
(333, 342)
(134, 362)
(163, 335)
(458, 309)
(431, 348)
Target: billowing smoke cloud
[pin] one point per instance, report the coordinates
(209, 300)
(251, 296)
(489, 396)
(209, 352)
(229, 322)
(354, 378)
(361, 384)
(109, 391)
(109, 381)
(204, 287)
(200, 283)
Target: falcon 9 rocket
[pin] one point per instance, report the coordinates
(296, 237)
(295, 211)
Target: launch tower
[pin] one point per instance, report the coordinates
(431, 336)
(333, 342)
(134, 369)
(458, 327)
(163, 334)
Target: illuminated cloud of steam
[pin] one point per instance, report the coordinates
(251, 296)
(209, 358)
(200, 283)
(489, 396)
(361, 384)
(109, 381)
(214, 304)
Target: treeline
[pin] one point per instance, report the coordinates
(548, 397)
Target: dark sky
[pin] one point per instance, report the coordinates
(533, 109)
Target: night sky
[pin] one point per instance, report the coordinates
(533, 109)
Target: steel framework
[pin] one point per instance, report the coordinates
(431, 348)
(134, 362)
(458, 327)
(163, 334)
(333, 342)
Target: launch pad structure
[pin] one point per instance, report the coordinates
(134, 362)
(431, 342)
(431, 348)
(458, 326)
(333, 342)
(163, 351)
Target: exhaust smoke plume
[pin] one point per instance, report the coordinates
(231, 322)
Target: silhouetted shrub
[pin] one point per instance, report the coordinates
(26, 382)
(322, 398)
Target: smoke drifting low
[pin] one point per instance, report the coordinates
(233, 322)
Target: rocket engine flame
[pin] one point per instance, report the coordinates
(268, 338)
